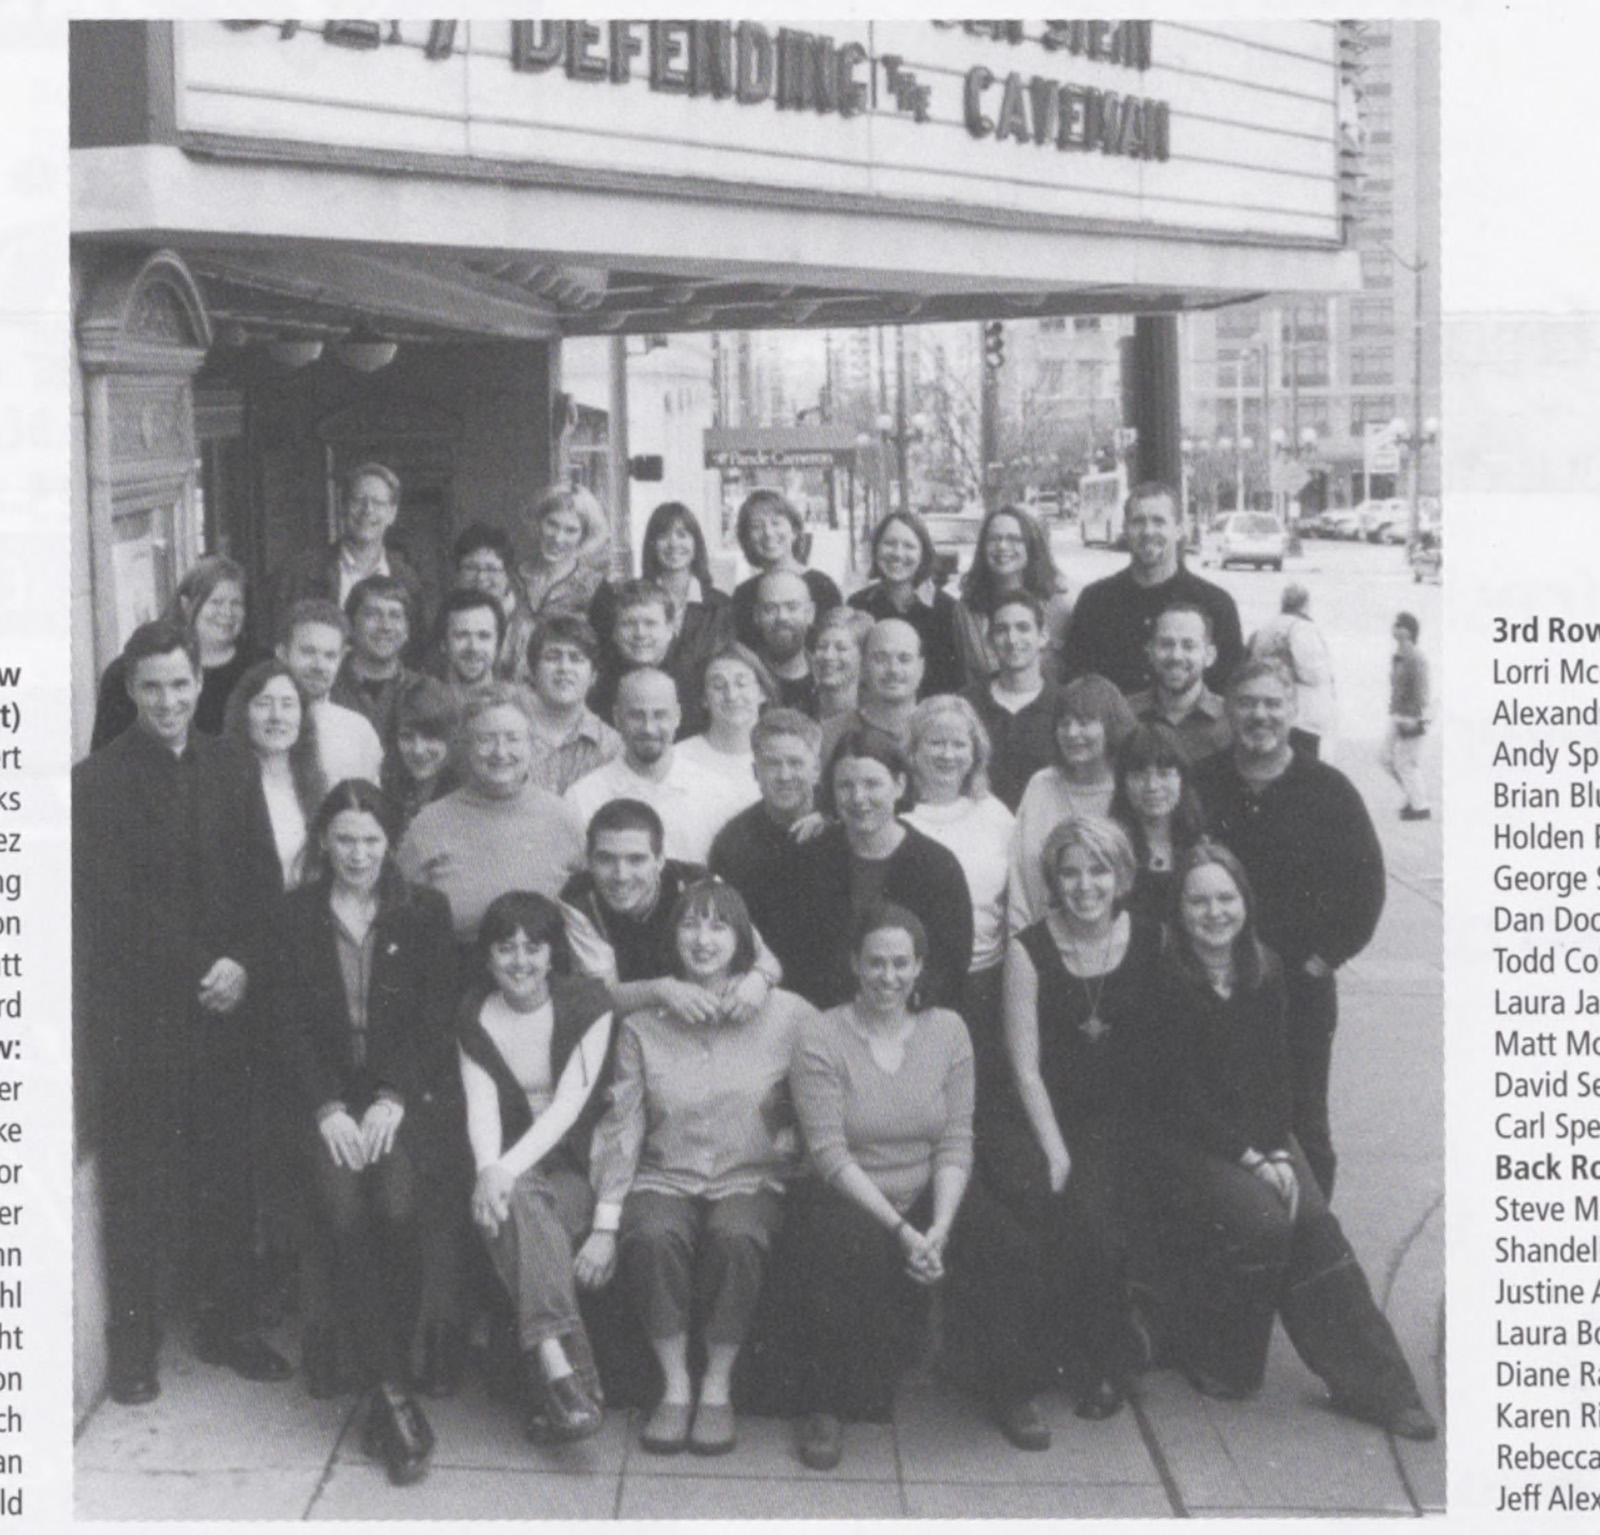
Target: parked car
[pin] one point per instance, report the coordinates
(955, 542)
(1345, 523)
(1252, 538)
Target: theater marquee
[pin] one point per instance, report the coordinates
(1212, 129)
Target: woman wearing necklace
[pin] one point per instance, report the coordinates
(1156, 804)
(884, 1091)
(365, 997)
(1077, 1007)
(1251, 1231)
(690, 1163)
(1092, 721)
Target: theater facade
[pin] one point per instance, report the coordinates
(301, 244)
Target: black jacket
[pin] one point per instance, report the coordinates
(410, 1002)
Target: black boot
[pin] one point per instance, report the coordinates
(397, 1434)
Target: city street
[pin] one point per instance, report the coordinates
(214, 1447)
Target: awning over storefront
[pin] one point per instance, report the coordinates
(532, 180)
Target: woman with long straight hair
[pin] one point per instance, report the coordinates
(365, 999)
(1250, 1234)
(1013, 555)
(1156, 804)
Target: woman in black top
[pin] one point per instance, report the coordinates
(210, 604)
(869, 856)
(365, 999)
(902, 562)
(1077, 1009)
(1157, 806)
(1251, 1232)
(773, 537)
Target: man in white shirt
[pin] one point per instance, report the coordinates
(693, 804)
(315, 637)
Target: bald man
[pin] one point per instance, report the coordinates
(784, 613)
(891, 675)
(694, 805)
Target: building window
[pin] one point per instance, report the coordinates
(1239, 371)
(1314, 412)
(1053, 323)
(1371, 365)
(1371, 317)
(1306, 321)
(1373, 409)
(1309, 366)
(1377, 269)
(1086, 322)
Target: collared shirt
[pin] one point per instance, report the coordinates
(694, 805)
(699, 1110)
(355, 970)
(374, 697)
(349, 575)
(589, 744)
(1203, 727)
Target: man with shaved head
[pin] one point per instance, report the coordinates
(891, 675)
(693, 804)
(784, 614)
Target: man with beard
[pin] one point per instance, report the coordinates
(471, 628)
(693, 804)
(784, 613)
(1303, 834)
(316, 636)
(1114, 617)
(1179, 652)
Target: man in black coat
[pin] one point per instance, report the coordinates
(1303, 834)
(1113, 618)
(175, 885)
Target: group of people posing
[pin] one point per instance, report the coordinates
(742, 967)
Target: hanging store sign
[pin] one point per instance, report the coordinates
(1228, 128)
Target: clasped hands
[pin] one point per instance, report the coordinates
(923, 1251)
(356, 1146)
(699, 1006)
(1277, 1172)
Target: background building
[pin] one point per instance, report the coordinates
(1337, 364)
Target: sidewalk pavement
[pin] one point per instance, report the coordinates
(214, 1447)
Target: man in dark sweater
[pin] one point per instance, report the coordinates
(754, 852)
(1304, 837)
(618, 912)
(1114, 617)
(175, 885)
(1018, 705)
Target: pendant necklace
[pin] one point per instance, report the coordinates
(1094, 1028)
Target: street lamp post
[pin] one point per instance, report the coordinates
(1411, 443)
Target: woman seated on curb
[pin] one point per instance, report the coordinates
(884, 1091)
(366, 993)
(1252, 1234)
(691, 1160)
(535, 1050)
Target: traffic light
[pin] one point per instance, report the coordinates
(994, 345)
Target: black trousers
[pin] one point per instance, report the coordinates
(1313, 1017)
(175, 1166)
(1241, 1260)
(855, 1302)
(364, 1235)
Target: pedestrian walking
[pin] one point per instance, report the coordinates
(1408, 718)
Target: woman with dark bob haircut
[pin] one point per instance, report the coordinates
(535, 1050)
(691, 1161)
(883, 1085)
(866, 855)
(674, 556)
(902, 564)
(1013, 555)
(1250, 1233)
(1156, 804)
(773, 537)
(365, 996)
